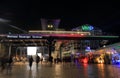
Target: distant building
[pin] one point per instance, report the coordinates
(89, 28)
(50, 24)
(83, 46)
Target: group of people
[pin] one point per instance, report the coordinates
(38, 59)
(6, 63)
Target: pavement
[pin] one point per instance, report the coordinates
(66, 70)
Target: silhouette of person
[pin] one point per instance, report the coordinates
(37, 60)
(41, 59)
(30, 61)
(10, 61)
(50, 60)
(3, 64)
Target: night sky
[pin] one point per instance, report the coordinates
(27, 14)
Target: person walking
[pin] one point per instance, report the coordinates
(30, 61)
(37, 60)
(50, 60)
(10, 62)
(41, 59)
(3, 64)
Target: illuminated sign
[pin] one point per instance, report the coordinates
(24, 36)
(36, 36)
(87, 27)
(88, 49)
(12, 36)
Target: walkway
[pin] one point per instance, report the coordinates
(63, 71)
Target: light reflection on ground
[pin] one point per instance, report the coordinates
(68, 70)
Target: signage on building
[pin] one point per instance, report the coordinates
(87, 27)
(24, 36)
(87, 48)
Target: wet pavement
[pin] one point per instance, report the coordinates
(21, 70)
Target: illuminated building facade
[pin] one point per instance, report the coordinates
(50, 24)
(83, 46)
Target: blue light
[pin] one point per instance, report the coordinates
(87, 48)
(91, 27)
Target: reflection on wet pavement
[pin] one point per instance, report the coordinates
(63, 71)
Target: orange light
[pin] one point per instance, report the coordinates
(85, 60)
(82, 34)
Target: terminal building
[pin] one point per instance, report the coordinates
(59, 47)
(84, 46)
(63, 47)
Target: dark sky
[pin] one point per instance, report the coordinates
(27, 14)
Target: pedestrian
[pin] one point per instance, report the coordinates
(37, 60)
(30, 61)
(10, 61)
(3, 64)
(50, 60)
(41, 59)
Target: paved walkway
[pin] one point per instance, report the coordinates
(21, 70)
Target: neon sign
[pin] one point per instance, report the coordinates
(87, 27)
